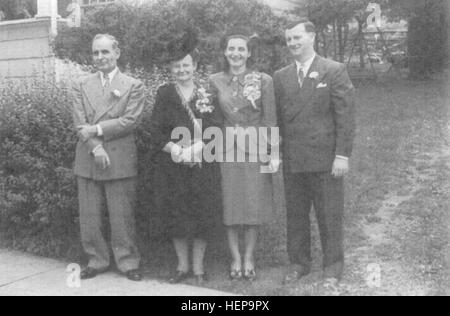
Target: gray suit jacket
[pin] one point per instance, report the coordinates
(316, 121)
(118, 115)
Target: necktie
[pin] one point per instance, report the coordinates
(107, 84)
(301, 77)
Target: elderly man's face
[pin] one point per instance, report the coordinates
(104, 55)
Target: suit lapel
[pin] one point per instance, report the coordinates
(94, 93)
(310, 84)
(293, 91)
(119, 85)
(302, 97)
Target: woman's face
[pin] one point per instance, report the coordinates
(183, 70)
(237, 52)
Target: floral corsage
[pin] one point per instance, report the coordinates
(252, 87)
(204, 102)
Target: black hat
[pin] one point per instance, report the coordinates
(182, 45)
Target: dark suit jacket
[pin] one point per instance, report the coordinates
(317, 121)
(118, 114)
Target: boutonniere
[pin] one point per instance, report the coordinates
(252, 87)
(203, 104)
(314, 75)
(116, 93)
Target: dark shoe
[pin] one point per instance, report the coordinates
(235, 275)
(90, 273)
(250, 275)
(179, 277)
(201, 279)
(334, 271)
(134, 275)
(295, 273)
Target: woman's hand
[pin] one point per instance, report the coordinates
(176, 151)
(193, 154)
(274, 165)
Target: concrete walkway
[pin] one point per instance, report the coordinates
(27, 275)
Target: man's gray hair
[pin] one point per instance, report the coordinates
(115, 42)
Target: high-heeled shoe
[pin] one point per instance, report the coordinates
(250, 275)
(179, 276)
(235, 274)
(201, 279)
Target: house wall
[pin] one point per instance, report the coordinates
(25, 49)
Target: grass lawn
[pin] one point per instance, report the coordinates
(397, 205)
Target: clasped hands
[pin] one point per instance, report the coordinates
(86, 132)
(101, 157)
(190, 156)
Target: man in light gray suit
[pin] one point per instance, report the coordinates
(107, 107)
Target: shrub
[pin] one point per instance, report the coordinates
(145, 31)
(38, 195)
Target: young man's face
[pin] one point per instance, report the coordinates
(299, 41)
(104, 55)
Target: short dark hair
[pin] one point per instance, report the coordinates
(309, 26)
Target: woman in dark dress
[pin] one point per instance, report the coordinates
(187, 190)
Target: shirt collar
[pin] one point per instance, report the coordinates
(240, 78)
(306, 65)
(111, 75)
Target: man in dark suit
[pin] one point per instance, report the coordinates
(315, 100)
(107, 107)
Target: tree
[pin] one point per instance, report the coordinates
(334, 15)
(427, 34)
(145, 31)
(18, 9)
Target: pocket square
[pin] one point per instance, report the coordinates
(322, 85)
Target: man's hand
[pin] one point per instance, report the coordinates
(101, 158)
(340, 167)
(86, 132)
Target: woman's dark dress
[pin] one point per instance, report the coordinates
(188, 199)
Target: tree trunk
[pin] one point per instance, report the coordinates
(426, 38)
(362, 63)
(325, 44)
(340, 40)
(334, 40)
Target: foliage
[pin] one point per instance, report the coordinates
(18, 9)
(38, 196)
(145, 31)
(427, 38)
